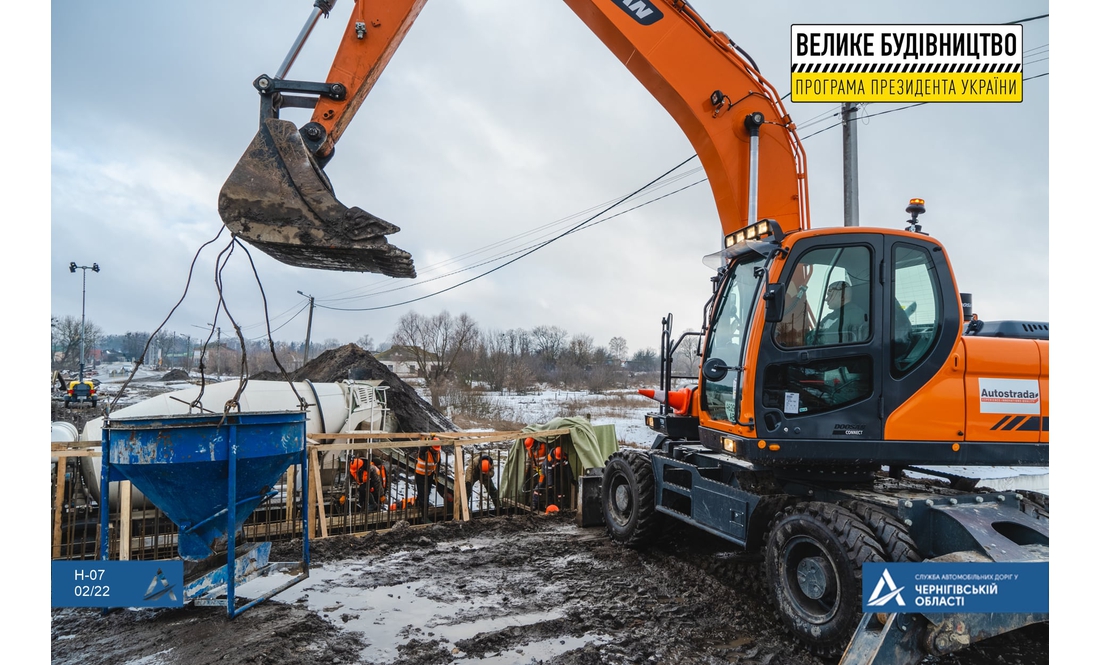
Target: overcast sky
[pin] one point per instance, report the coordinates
(495, 118)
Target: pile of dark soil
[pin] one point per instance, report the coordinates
(176, 375)
(412, 412)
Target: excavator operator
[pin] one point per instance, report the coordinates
(847, 322)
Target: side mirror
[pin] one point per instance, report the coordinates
(773, 298)
(715, 369)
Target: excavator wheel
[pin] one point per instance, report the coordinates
(813, 561)
(891, 533)
(279, 200)
(629, 509)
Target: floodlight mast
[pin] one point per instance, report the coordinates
(83, 297)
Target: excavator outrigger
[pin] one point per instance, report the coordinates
(832, 362)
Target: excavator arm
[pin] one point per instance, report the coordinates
(278, 198)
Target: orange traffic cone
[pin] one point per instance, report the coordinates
(679, 400)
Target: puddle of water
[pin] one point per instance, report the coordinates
(389, 616)
(536, 652)
(467, 629)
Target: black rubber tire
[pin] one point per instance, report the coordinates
(891, 533)
(827, 544)
(626, 490)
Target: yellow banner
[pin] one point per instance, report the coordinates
(907, 87)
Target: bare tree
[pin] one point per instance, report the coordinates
(617, 348)
(495, 359)
(366, 342)
(549, 341)
(65, 337)
(436, 343)
(133, 343)
(581, 348)
(645, 360)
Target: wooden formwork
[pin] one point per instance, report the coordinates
(136, 533)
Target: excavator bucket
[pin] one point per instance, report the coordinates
(279, 200)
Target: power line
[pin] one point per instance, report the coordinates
(517, 251)
(373, 289)
(284, 324)
(525, 254)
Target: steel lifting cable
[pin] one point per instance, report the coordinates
(270, 341)
(219, 266)
(141, 358)
(220, 263)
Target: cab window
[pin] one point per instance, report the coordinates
(918, 312)
(827, 299)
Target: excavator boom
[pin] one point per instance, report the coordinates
(279, 199)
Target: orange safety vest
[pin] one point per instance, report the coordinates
(356, 468)
(382, 474)
(426, 467)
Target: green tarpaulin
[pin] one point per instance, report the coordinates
(587, 446)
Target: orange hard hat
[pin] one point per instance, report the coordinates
(552, 509)
(486, 465)
(556, 454)
(436, 448)
(528, 442)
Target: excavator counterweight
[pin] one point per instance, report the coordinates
(278, 199)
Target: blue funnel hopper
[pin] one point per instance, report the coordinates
(189, 467)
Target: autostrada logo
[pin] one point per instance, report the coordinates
(892, 591)
(642, 11)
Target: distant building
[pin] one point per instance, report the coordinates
(401, 360)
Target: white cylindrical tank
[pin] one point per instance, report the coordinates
(327, 412)
(62, 432)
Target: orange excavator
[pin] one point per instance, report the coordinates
(834, 375)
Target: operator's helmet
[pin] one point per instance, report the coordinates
(556, 454)
(528, 442)
(839, 285)
(486, 465)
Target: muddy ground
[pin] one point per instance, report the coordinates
(527, 589)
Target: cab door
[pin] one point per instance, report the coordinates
(925, 322)
(819, 369)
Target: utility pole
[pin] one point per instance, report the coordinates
(309, 327)
(83, 293)
(848, 112)
(189, 356)
(217, 350)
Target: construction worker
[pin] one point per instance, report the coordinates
(975, 325)
(556, 484)
(481, 471)
(536, 455)
(372, 480)
(427, 463)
